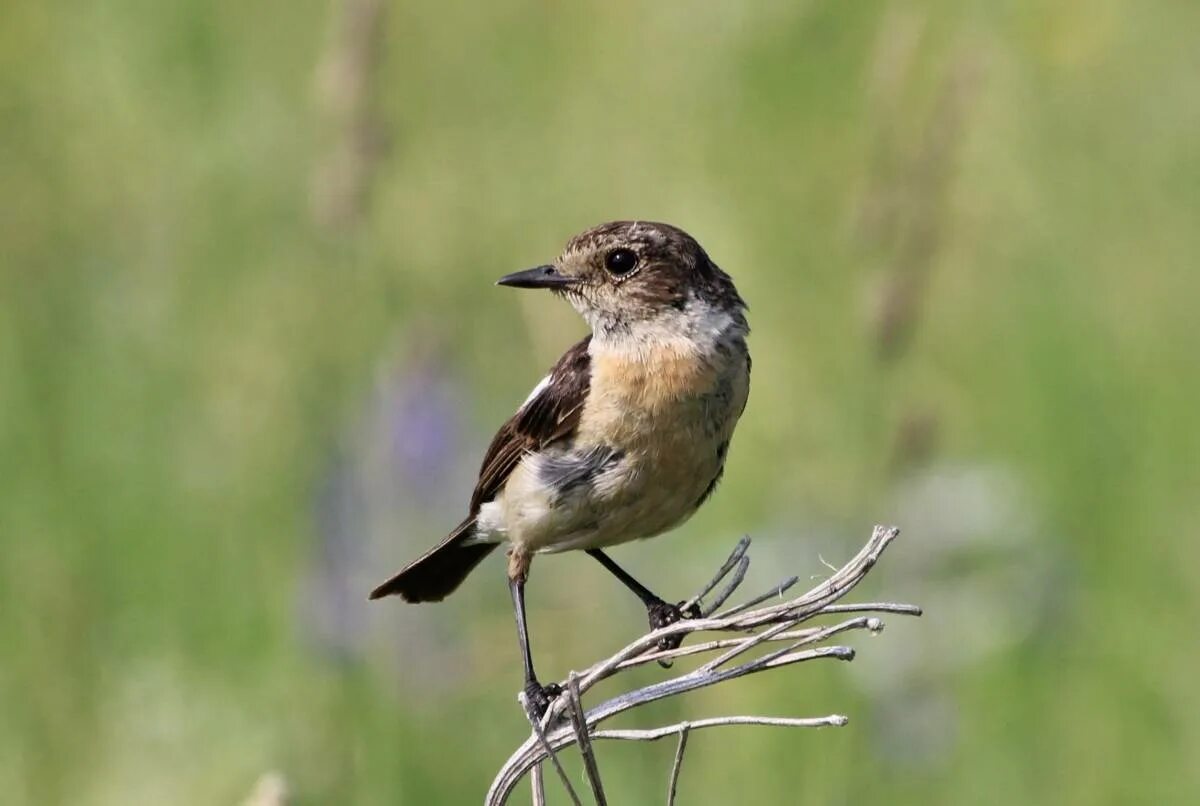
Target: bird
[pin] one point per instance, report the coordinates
(624, 439)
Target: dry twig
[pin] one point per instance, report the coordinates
(673, 782)
(566, 722)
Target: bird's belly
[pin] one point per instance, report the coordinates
(649, 495)
(649, 483)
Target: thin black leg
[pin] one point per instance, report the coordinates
(641, 591)
(658, 612)
(538, 696)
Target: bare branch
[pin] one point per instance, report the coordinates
(871, 624)
(739, 574)
(539, 735)
(673, 781)
(739, 551)
(757, 600)
(579, 722)
(875, 607)
(538, 785)
(654, 734)
(756, 626)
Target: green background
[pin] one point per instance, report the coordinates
(241, 243)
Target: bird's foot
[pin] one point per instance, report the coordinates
(539, 697)
(662, 614)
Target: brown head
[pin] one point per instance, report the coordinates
(631, 277)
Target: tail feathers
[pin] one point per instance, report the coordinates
(438, 573)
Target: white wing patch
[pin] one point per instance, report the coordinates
(537, 390)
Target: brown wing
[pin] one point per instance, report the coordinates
(550, 415)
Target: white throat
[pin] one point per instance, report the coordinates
(699, 328)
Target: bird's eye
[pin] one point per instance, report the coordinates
(620, 261)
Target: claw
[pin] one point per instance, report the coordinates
(539, 697)
(662, 614)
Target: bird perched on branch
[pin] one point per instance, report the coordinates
(627, 435)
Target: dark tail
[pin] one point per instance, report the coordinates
(437, 573)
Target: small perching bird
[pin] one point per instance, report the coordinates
(627, 435)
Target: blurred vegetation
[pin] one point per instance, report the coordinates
(229, 229)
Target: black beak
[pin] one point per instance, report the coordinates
(541, 277)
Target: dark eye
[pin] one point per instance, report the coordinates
(620, 261)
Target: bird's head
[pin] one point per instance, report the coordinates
(638, 278)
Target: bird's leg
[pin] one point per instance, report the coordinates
(537, 696)
(659, 613)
